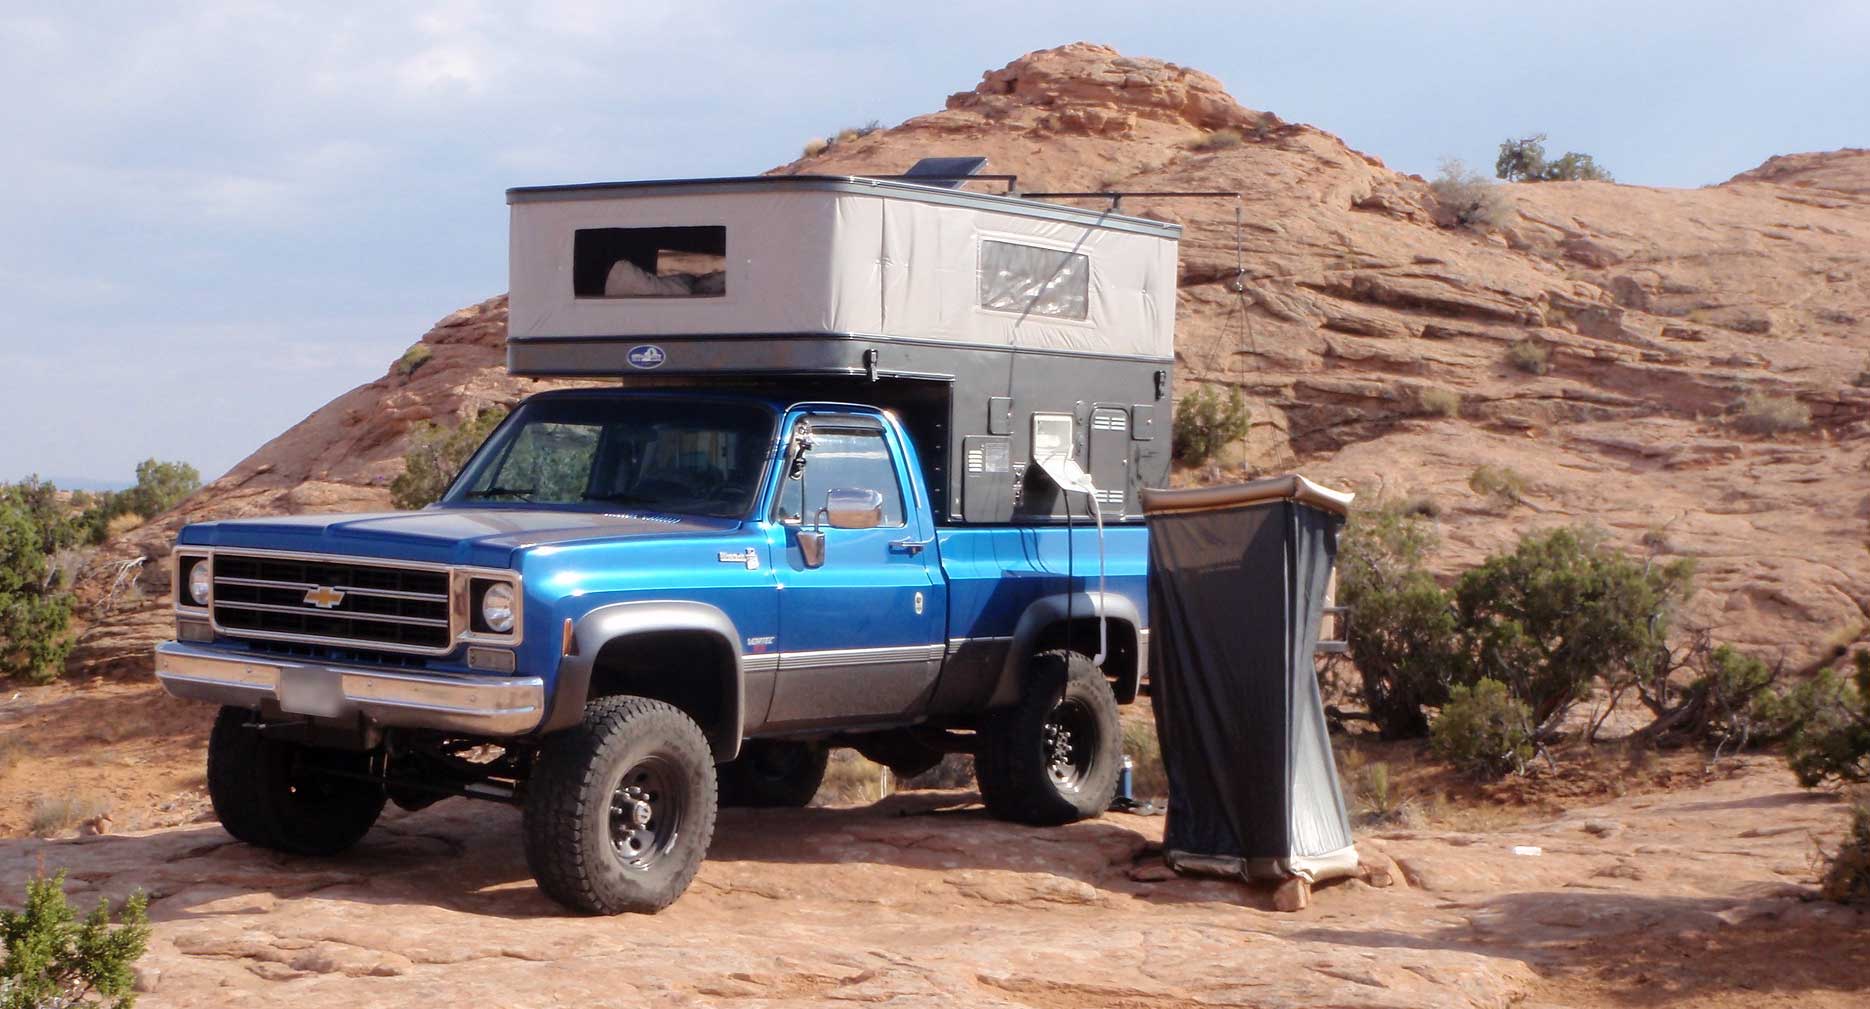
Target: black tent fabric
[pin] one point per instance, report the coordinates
(1237, 581)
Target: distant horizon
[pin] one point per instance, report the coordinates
(83, 483)
(240, 212)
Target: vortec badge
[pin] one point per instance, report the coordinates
(749, 557)
(324, 597)
(646, 356)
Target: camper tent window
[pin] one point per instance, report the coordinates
(1034, 281)
(674, 262)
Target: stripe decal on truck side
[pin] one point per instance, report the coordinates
(839, 657)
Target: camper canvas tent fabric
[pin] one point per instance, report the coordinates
(1237, 580)
(806, 255)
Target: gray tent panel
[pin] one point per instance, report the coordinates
(1236, 592)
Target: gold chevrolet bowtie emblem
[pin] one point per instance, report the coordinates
(324, 597)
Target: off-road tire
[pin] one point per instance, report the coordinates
(271, 793)
(900, 751)
(1015, 765)
(572, 833)
(774, 773)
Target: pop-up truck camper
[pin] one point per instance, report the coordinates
(861, 466)
(983, 321)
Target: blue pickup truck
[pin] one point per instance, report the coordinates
(695, 582)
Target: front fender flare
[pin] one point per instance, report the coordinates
(606, 624)
(1045, 612)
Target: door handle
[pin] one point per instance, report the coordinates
(910, 546)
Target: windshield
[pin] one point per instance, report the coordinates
(687, 457)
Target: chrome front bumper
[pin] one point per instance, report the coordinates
(474, 704)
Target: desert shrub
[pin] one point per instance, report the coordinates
(849, 779)
(1560, 610)
(1847, 870)
(1148, 778)
(1501, 483)
(436, 454)
(1218, 140)
(1375, 799)
(1863, 378)
(1402, 635)
(1440, 402)
(53, 961)
(1727, 698)
(1827, 725)
(1763, 413)
(815, 146)
(1530, 355)
(1736, 687)
(1469, 199)
(413, 358)
(159, 487)
(1421, 505)
(34, 608)
(1484, 730)
(56, 814)
(1205, 422)
(123, 523)
(850, 133)
(1524, 160)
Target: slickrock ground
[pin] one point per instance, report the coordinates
(1694, 898)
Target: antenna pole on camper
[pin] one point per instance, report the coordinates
(1116, 197)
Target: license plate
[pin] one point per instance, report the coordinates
(310, 692)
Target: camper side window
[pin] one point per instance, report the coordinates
(677, 262)
(1029, 280)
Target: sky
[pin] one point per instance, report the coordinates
(219, 216)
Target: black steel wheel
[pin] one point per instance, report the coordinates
(774, 773)
(646, 812)
(1069, 735)
(1054, 756)
(287, 796)
(620, 808)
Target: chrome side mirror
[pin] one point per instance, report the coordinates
(853, 508)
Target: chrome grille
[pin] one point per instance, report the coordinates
(382, 606)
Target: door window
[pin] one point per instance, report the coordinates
(856, 458)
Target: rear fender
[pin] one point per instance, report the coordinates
(1048, 612)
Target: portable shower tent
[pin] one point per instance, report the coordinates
(1237, 578)
(984, 320)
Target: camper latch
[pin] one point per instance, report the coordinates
(870, 363)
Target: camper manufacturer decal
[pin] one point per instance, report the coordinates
(646, 356)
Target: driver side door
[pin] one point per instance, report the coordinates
(860, 618)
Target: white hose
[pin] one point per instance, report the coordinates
(1103, 623)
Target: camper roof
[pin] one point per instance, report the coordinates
(930, 191)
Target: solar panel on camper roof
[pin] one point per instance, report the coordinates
(946, 173)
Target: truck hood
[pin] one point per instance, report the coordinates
(484, 536)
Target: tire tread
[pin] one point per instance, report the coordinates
(1010, 767)
(559, 794)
